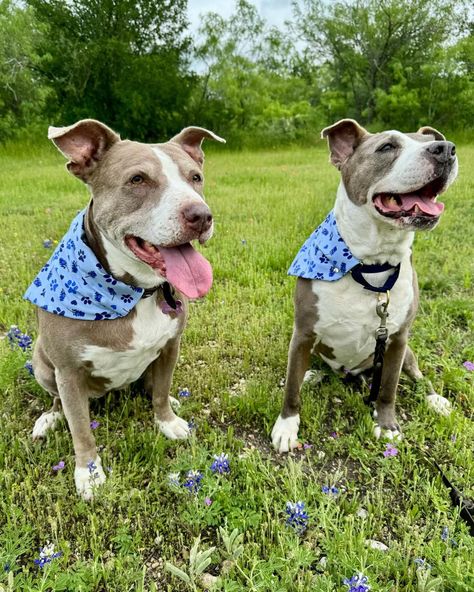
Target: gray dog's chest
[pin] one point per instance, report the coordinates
(151, 331)
(347, 319)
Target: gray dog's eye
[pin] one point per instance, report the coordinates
(386, 147)
(136, 180)
(197, 178)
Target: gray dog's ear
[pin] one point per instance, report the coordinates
(190, 140)
(84, 143)
(343, 138)
(431, 131)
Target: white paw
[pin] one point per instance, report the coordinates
(387, 434)
(176, 429)
(439, 404)
(285, 433)
(88, 478)
(312, 376)
(46, 422)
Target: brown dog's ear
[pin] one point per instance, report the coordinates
(84, 143)
(343, 138)
(190, 140)
(431, 131)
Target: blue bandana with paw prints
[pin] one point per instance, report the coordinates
(74, 284)
(324, 256)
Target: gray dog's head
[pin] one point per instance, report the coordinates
(395, 176)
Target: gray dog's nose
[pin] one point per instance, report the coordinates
(197, 217)
(442, 151)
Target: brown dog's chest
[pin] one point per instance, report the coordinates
(151, 331)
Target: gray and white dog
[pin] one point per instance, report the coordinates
(112, 300)
(388, 189)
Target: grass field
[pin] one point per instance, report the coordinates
(233, 362)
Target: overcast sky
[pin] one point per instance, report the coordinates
(275, 12)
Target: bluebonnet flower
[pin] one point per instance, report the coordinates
(94, 424)
(16, 337)
(445, 533)
(297, 516)
(358, 583)
(47, 554)
(329, 490)
(29, 366)
(193, 481)
(48, 243)
(390, 450)
(192, 425)
(184, 392)
(220, 464)
(93, 474)
(60, 466)
(422, 563)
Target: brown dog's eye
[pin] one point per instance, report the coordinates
(136, 180)
(386, 147)
(197, 178)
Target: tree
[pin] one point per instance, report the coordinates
(121, 61)
(22, 95)
(373, 50)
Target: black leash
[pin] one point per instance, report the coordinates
(381, 336)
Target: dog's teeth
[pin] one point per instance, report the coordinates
(147, 244)
(392, 201)
(416, 209)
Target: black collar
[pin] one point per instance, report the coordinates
(168, 294)
(358, 270)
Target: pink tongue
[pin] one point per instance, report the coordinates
(425, 204)
(187, 270)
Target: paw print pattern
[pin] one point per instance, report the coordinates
(324, 256)
(74, 284)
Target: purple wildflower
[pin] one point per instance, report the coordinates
(29, 366)
(329, 490)
(358, 583)
(453, 438)
(47, 554)
(297, 516)
(16, 337)
(445, 533)
(185, 392)
(193, 481)
(48, 243)
(192, 425)
(220, 464)
(94, 424)
(307, 446)
(334, 435)
(469, 365)
(91, 466)
(60, 466)
(390, 450)
(208, 501)
(422, 563)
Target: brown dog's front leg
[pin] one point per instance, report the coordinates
(169, 424)
(386, 421)
(75, 402)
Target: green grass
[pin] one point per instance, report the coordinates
(233, 360)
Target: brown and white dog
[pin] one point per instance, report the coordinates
(147, 205)
(388, 189)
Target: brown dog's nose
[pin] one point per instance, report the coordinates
(197, 217)
(442, 151)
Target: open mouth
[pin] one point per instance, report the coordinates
(185, 268)
(421, 203)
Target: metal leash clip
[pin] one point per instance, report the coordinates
(382, 312)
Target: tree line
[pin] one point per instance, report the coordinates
(135, 65)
